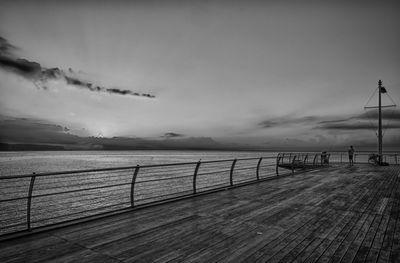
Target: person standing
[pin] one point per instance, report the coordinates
(351, 155)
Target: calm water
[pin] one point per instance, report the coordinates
(16, 163)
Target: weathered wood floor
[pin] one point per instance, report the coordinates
(332, 215)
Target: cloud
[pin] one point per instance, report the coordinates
(22, 67)
(362, 122)
(355, 126)
(22, 130)
(286, 121)
(388, 114)
(169, 135)
(40, 76)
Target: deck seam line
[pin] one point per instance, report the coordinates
(86, 248)
(373, 240)
(373, 202)
(359, 215)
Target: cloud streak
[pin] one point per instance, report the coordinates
(364, 121)
(169, 135)
(286, 121)
(354, 126)
(40, 76)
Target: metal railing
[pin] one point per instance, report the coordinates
(300, 160)
(363, 157)
(36, 200)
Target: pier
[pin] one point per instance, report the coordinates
(335, 213)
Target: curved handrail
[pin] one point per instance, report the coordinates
(59, 197)
(45, 199)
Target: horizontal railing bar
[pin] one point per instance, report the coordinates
(267, 165)
(165, 179)
(122, 168)
(161, 196)
(14, 199)
(100, 183)
(245, 168)
(165, 174)
(79, 190)
(214, 172)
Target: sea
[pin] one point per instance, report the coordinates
(28, 162)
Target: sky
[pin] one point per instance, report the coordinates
(268, 73)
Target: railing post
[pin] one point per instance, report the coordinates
(135, 173)
(278, 158)
(315, 158)
(232, 168)
(258, 169)
(195, 176)
(304, 161)
(294, 159)
(29, 203)
(341, 160)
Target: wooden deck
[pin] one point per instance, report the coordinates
(330, 215)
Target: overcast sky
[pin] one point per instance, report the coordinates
(254, 72)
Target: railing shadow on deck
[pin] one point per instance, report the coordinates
(46, 200)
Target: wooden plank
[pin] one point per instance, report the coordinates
(373, 256)
(327, 241)
(380, 234)
(42, 253)
(395, 248)
(343, 243)
(84, 256)
(278, 247)
(326, 228)
(221, 249)
(383, 256)
(366, 244)
(327, 215)
(358, 239)
(146, 240)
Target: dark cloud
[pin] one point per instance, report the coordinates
(40, 132)
(22, 130)
(39, 75)
(387, 114)
(355, 126)
(364, 121)
(269, 124)
(285, 121)
(172, 135)
(22, 67)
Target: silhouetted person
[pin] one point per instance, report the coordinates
(351, 154)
